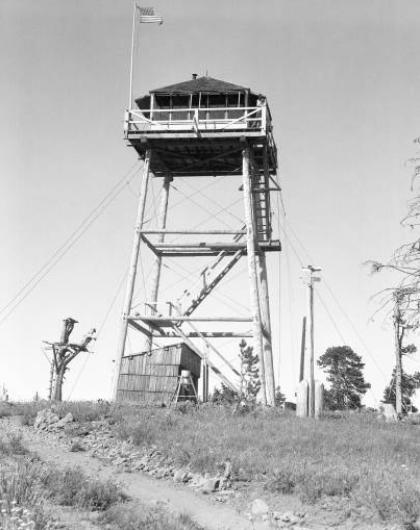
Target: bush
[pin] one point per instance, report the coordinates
(71, 487)
(5, 409)
(12, 445)
(19, 489)
(144, 517)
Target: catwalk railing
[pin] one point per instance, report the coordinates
(255, 119)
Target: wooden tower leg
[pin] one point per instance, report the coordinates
(131, 280)
(157, 267)
(205, 376)
(266, 324)
(252, 267)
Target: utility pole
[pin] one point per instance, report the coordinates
(310, 278)
(302, 351)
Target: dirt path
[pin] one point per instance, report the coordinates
(137, 485)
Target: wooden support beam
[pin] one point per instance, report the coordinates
(137, 326)
(157, 319)
(205, 291)
(222, 133)
(204, 249)
(131, 280)
(202, 245)
(194, 348)
(215, 350)
(150, 245)
(191, 253)
(209, 334)
(194, 232)
(266, 325)
(205, 252)
(252, 267)
(157, 266)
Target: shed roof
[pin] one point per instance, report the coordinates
(205, 84)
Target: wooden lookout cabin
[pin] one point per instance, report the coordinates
(152, 377)
(177, 118)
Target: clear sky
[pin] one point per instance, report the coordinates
(342, 82)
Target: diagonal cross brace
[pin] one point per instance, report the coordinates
(216, 351)
(190, 343)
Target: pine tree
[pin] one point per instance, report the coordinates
(345, 374)
(250, 374)
(409, 386)
(279, 397)
(224, 396)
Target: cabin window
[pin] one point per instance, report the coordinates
(217, 101)
(161, 102)
(235, 101)
(195, 101)
(180, 102)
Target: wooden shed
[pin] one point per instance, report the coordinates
(152, 377)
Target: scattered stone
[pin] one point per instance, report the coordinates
(210, 485)
(68, 418)
(181, 476)
(45, 418)
(76, 446)
(160, 473)
(259, 508)
(286, 517)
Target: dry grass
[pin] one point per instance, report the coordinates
(353, 457)
(21, 497)
(6, 409)
(82, 411)
(26, 484)
(134, 517)
(71, 487)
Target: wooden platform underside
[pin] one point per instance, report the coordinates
(192, 156)
(207, 249)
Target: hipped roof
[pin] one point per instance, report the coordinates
(205, 85)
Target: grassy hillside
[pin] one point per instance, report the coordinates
(354, 459)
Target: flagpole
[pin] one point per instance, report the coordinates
(133, 31)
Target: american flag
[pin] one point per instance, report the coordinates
(147, 16)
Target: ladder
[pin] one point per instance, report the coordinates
(261, 197)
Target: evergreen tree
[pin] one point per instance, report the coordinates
(224, 396)
(409, 386)
(344, 369)
(250, 380)
(279, 397)
(250, 373)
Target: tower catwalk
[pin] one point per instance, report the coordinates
(197, 131)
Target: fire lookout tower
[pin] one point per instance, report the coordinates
(205, 128)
